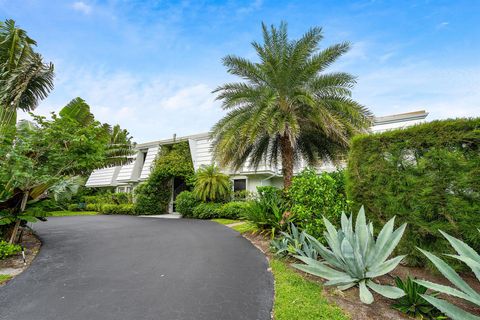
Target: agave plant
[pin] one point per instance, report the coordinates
(462, 290)
(295, 243)
(355, 257)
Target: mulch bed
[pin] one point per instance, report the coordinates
(14, 265)
(381, 309)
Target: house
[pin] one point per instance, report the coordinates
(126, 177)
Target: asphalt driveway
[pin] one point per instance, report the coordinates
(132, 268)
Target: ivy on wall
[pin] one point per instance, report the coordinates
(153, 195)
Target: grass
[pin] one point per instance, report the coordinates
(226, 221)
(4, 278)
(245, 227)
(300, 298)
(71, 213)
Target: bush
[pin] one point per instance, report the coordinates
(185, 203)
(74, 207)
(314, 196)
(110, 198)
(93, 207)
(234, 209)
(7, 249)
(269, 210)
(426, 175)
(206, 210)
(127, 209)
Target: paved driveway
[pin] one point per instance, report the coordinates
(131, 268)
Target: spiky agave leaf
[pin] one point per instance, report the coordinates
(461, 289)
(354, 257)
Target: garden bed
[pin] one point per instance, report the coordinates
(349, 300)
(14, 265)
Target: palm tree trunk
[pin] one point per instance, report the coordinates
(287, 161)
(23, 205)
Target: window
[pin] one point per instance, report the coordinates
(239, 185)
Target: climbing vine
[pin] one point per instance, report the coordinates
(153, 195)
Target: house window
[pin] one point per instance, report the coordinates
(239, 185)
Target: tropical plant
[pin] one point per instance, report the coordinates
(461, 289)
(313, 196)
(8, 249)
(355, 257)
(294, 242)
(24, 77)
(287, 109)
(412, 303)
(211, 184)
(269, 211)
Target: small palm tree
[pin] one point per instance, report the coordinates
(211, 184)
(287, 109)
(24, 78)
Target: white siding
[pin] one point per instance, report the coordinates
(147, 165)
(201, 150)
(103, 177)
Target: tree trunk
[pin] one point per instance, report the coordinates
(23, 205)
(287, 161)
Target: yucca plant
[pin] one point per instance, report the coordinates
(412, 303)
(295, 243)
(355, 257)
(461, 290)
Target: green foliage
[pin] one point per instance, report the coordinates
(234, 209)
(269, 211)
(461, 289)
(412, 303)
(294, 242)
(355, 257)
(298, 298)
(314, 196)
(74, 207)
(426, 175)
(286, 108)
(110, 198)
(211, 184)
(185, 203)
(153, 195)
(207, 210)
(7, 249)
(126, 209)
(92, 207)
(242, 195)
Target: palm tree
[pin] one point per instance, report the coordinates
(211, 184)
(24, 78)
(286, 108)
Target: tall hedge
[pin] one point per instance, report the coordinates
(427, 175)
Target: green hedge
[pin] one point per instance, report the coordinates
(127, 209)
(427, 175)
(185, 203)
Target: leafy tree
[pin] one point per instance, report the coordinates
(43, 153)
(287, 109)
(24, 77)
(211, 184)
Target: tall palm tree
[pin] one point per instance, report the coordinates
(211, 184)
(286, 108)
(24, 78)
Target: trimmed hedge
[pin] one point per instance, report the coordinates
(207, 210)
(427, 175)
(127, 209)
(185, 203)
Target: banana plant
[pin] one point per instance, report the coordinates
(461, 289)
(355, 257)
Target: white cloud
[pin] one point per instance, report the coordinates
(82, 7)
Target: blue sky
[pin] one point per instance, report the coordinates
(151, 65)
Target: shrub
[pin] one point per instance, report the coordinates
(355, 257)
(269, 211)
(413, 304)
(74, 207)
(185, 203)
(206, 210)
(151, 197)
(92, 207)
(127, 209)
(7, 249)
(294, 242)
(234, 209)
(314, 196)
(426, 175)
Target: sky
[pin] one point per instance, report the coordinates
(151, 66)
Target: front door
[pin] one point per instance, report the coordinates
(179, 185)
